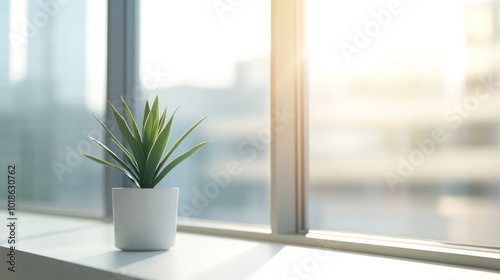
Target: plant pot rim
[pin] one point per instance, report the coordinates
(148, 189)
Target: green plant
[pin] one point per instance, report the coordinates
(144, 163)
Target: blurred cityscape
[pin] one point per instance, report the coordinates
(378, 113)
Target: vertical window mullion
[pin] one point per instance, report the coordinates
(287, 174)
(122, 74)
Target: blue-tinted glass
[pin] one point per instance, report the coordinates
(52, 76)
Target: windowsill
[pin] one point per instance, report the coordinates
(53, 247)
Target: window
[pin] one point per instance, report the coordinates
(52, 73)
(214, 62)
(404, 119)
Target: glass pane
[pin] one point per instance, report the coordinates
(404, 122)
(52, 75)
(214, 60)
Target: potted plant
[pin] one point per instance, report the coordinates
(145, 217)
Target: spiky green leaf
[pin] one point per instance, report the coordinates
(154, 157)
(101, 161)
(128, 156)
(150, 130)
(131, 121)
(162, 121)
(129, 169)
(146, 113)
(134, 144)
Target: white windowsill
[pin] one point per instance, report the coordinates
(54, 247)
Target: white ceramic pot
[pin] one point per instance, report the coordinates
(145, 219)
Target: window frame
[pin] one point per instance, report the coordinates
(288, 146)
(122, 76)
